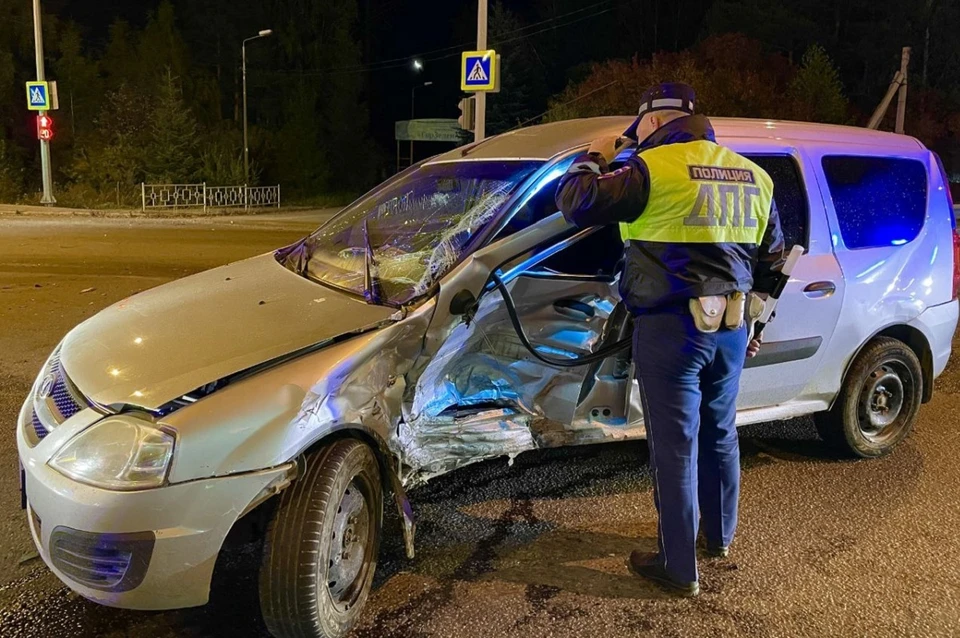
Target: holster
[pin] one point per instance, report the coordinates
(709, 313)
(755, 306)
(736, 307)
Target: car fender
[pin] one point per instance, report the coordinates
(915, 334)
(277, 414)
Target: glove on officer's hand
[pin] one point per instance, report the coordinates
(606, 147)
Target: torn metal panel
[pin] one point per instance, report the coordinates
(485, 363)
(438, 445)
(484, 395)
(365, 386)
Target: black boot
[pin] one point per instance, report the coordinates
(716, 550)
(650, 566)
(712, 549)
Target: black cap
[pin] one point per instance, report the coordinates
(673, 96)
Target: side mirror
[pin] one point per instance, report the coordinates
(463, 303)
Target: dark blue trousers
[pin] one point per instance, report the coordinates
(689, 382)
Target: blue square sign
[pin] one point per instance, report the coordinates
(479, 71)
(38, 96)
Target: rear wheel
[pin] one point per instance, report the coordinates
(878, 402)
(321, 547)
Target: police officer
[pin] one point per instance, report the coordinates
(700, 230)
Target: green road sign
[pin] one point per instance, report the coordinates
(429, 130)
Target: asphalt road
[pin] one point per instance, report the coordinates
(827, 547)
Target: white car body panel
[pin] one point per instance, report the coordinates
(189, 521)
(801, 317)
(163, 343)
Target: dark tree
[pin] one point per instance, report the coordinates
(523, 89)
(172, 150)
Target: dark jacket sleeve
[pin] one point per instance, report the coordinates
(771, 254)
(590, 195)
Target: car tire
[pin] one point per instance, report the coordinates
(878, 403)
(321, 547)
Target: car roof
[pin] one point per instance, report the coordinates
(547, 140)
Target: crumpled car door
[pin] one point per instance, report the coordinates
(478, 392)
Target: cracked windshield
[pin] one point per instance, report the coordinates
(416, 227)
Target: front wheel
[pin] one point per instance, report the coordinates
(321, 546)
(878, 402)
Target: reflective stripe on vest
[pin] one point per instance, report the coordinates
(700, 193)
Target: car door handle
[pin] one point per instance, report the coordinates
(820, 289)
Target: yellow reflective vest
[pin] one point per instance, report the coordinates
(701, 192)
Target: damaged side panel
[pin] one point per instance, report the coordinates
(435, 392)
(483, 395)
(277, 414)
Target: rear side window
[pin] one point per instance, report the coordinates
(880, 201)
(789, 194)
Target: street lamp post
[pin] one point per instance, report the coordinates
(413, 94)
(246, 146)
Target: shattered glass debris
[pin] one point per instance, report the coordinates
(419, 226)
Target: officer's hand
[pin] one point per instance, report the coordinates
(606, 147)
(753, 348)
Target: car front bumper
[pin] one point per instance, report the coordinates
(149, 549)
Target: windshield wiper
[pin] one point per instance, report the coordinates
(371, 281)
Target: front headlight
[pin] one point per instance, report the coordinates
(117, 454)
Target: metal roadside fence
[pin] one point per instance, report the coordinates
(203, 196)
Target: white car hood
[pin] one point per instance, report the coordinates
(163, 343)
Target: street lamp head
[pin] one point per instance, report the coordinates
(427, 83)
(418, 65)
(265, 32)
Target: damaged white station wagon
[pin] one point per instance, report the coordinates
(382, 350)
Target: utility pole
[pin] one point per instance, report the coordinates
(481, 104)
(902, 99)
(46, 169)
(899, 83)
(881, 109)
(246, 146)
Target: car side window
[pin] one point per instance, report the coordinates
(880, 201)
(539, 206)
(595, 255)
(789, 194)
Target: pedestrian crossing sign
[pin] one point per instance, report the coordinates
(480, 71)
(38, 96)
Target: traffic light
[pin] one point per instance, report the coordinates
(468, 113)
(44, 127)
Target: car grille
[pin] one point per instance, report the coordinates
(55, 401)
(67, 401)
(108, 562)
(38, 427)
